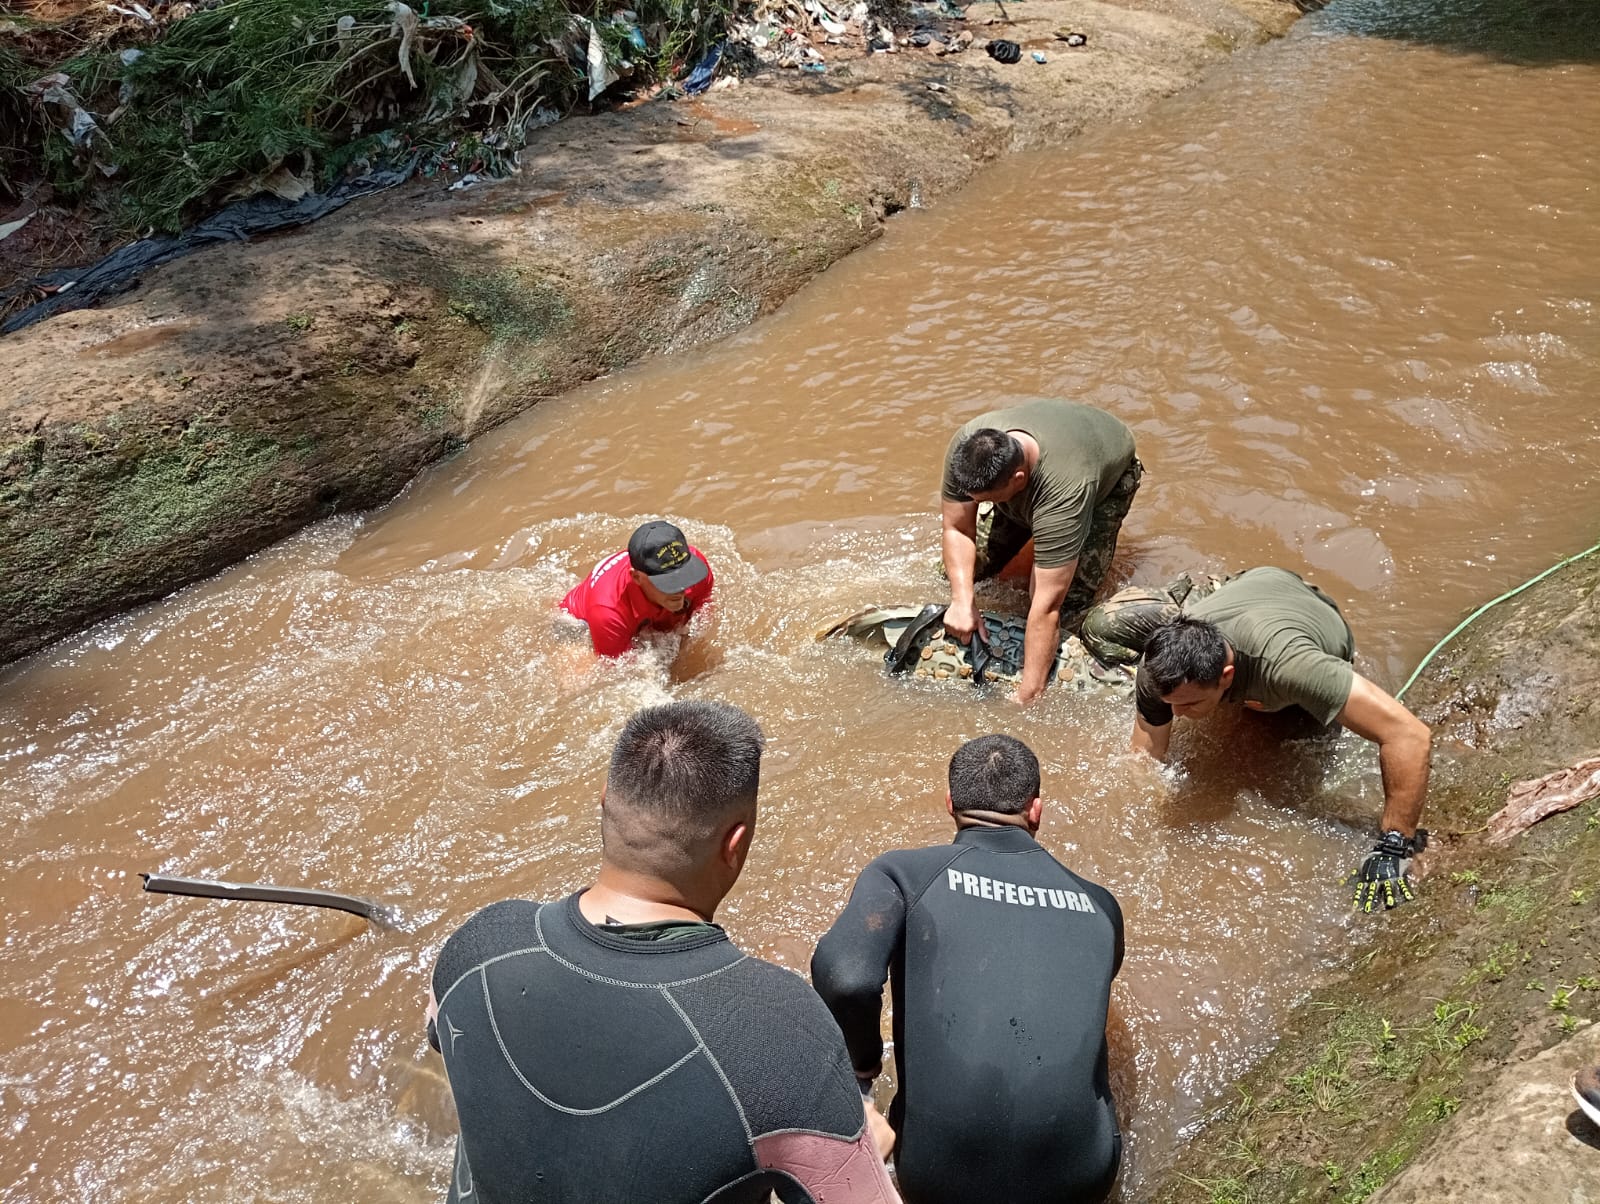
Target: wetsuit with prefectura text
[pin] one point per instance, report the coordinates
(641, 1063)
(1000, 961)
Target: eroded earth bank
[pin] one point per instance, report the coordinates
(243, 392)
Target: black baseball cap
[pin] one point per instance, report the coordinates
(660, 551)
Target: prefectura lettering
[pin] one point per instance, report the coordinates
(1011, 892)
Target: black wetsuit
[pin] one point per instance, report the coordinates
(651, 1067)
(1001, 961)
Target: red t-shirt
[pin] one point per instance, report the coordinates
(617, 610)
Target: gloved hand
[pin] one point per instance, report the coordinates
(1384, 877)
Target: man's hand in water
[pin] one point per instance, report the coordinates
(882, 1134)
(961, 619)
(1383, 879)
(1023, 697)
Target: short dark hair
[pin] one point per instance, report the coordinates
(984, 460)
(1185, 649)
(994, 773)
(678, 773)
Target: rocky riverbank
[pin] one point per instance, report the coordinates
(1441, 1063)
(245, 391)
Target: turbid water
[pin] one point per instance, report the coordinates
(1348, 297)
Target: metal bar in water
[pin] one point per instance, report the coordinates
(204, 888)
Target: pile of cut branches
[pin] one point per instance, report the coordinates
(156, 114)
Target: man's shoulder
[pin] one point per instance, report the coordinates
(507, 916)
(756, 996)
(502, 928)
(1267, 611)
(909, 865)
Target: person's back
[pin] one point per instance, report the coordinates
(615, 1046)
(1001, 962)
(594, 1066)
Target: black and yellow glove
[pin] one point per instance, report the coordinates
(1383, 879)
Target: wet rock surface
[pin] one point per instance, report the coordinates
(245, 391)
(1519, 690)
(1523, 1142)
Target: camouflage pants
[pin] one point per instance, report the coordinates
(1000, 538)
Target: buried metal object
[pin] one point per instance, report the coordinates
(1100, 658)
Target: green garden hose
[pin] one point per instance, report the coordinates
(1485, 608)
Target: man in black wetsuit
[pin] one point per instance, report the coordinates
(1000, 961)
(615, 1046)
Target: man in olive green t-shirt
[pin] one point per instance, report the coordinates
(1060, 477)
(1266, 640)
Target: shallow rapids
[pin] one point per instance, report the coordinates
(1348, 296)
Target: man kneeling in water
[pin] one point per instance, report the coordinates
(1266, 640)
(614, 1047)
(1002, 965)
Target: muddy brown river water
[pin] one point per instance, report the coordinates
(1347, 295)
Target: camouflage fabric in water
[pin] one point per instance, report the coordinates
(1115, 631)
(1113, 634)
(1000, 539)
(933, 655)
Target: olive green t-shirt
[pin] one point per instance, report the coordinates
(662, 930)
(1291, 647)
(1082, 453)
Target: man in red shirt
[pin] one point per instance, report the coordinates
(657, 583)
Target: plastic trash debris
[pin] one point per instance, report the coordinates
(699, 79)
(601, 74)
(934, 86)
(1038, 57)
(814, 68)
(138, 11)
(54, 92)
(628, 21)
(75, 288)
(403, 26)
(1002, 51)
(7, 229)
(823, 17)
(956, 44)
(1072, 38)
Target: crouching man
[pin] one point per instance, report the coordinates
(1266, 640)
(615, 1046)
(1000, 961)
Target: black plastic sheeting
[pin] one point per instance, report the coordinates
(123, 268)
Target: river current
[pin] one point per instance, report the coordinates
(1347, 294)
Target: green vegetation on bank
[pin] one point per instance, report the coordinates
(1507, 963)
(156, 122)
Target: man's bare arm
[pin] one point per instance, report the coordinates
(1044, 628)
(960, 546)
(1147, 738)
(1404, 747)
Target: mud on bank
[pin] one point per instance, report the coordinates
(246, 391)
(1427, 1057)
